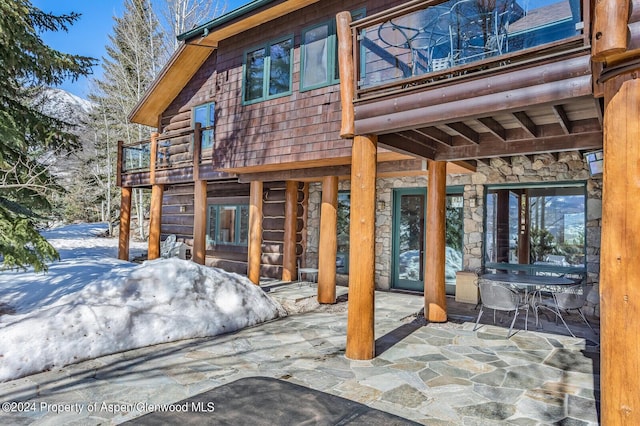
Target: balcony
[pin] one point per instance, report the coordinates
(421, 43)
(168, 158)
(471, 80)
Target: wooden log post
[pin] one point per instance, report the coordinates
(360, 316)
(125, 224)
(346, 69)
(255, 232)
(199, 254)
(289, 267)
(620, 246)
(435, 298)
(609, 28)
(155, 221)
(328, 249)
(197, 151)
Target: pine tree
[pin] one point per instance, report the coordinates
(132, 63)
(26, 186)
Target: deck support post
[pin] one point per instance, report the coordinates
(289, 267)
(155, 221)
(620, 245)
(435, 299)
(255, 232)
(125, 223)
(199, 222)
(328, 241)
(360, 316)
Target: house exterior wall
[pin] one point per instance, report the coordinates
(544, 168)
(300, 127)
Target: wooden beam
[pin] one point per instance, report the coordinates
(527, 124)
(125, 223)
(573, 142)
(346, 70)
(289, 267)
(155, 221)
(494, 127)
(197, 151)
(563, 119)
(619, 266)
(255, 232)
(465, 131)
(610, 21)
(436, 135)
(508, 101)
(435, 298)
(360, 315)
(199, 254)
(400, 143)
(328, 247)
(153, 153)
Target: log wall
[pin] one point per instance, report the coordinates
(178, 217)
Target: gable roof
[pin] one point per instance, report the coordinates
(197, 45)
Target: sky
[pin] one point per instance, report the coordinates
(90, 34)
(91, 304)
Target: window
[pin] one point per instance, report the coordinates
(205, 115)
(542, 227)
(227, 224)
(319, 55)
(268, 71)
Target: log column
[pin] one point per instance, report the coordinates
(255, 232)
(289, 267)
(125, 223)
(435, 299)
(155, 221)
(360, 317)
(620, 247)
(328, 241)
(200, 222)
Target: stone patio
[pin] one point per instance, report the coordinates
(429, 373)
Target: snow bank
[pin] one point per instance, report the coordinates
(159, 301)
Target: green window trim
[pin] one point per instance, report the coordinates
(267, 71)
(329, 52)
(205, 115)
(555, 246)
(227, 224)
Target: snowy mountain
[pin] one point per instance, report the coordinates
(63, 105)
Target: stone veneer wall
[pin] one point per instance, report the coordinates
(544, 168)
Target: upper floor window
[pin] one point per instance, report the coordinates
(542, 227)
(205, 115)
(268, 71)
(227, 224)
(319, 54)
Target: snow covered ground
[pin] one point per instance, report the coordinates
(91, 304)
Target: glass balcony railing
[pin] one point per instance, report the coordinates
(136, 157)
(460, 32)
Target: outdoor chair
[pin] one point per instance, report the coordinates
(570, 298)
(309, 272)
(169, 247)
(501, 297)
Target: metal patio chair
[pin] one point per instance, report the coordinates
(570, 298)
(501, 297)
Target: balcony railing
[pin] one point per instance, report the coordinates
(425, 40)
(172, 151)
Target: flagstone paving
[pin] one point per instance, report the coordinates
(434, 374)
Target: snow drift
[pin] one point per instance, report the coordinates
(159, 301)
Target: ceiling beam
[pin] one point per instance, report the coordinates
(563, 119)
(527, 124)
(573, 142)
(494, 127)
(436, 135)
(465, 131)
(406, 145)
